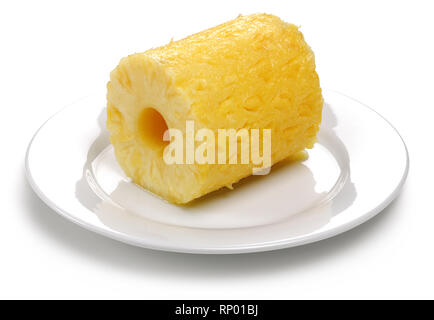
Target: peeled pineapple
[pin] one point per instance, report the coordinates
(252, 72)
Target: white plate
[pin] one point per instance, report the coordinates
(355, 170)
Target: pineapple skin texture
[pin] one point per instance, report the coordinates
(252, 72)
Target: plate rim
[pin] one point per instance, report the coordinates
(238, 249)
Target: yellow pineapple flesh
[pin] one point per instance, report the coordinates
(252, 72)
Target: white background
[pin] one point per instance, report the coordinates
(53, 53)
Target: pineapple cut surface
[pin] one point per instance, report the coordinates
(254, 72)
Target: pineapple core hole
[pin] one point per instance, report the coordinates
(152, 127)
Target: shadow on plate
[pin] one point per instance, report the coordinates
(88, 194)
